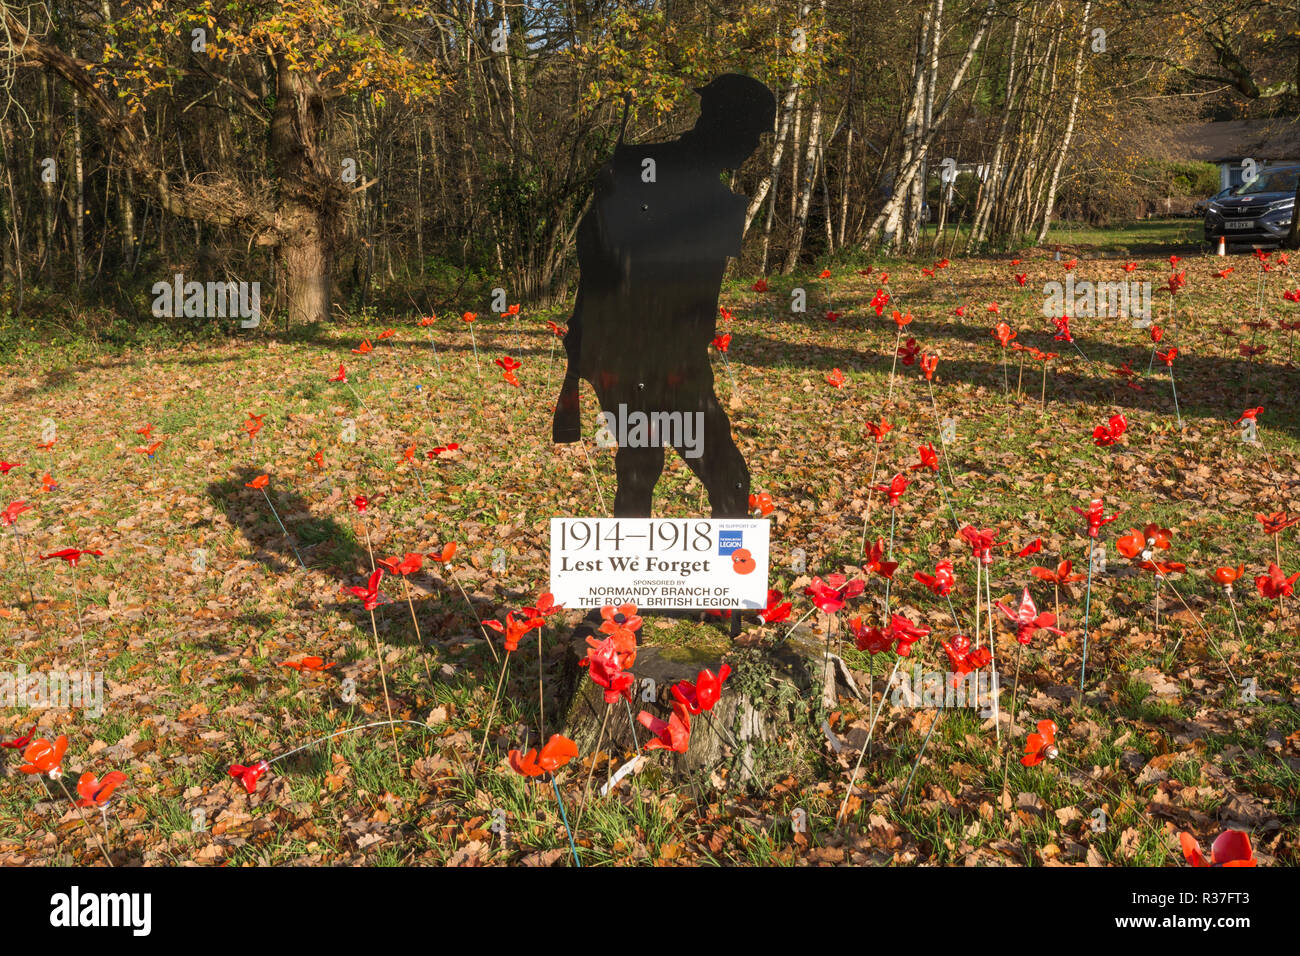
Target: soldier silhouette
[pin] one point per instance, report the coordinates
(652, 250)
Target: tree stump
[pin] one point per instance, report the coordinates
(767, 721)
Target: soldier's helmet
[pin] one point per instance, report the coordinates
(735, 111)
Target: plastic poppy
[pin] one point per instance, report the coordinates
(361, 503)
(776, 610)
(905, 633)
(369, 595)
(443, 556)
(8, 466)
(762, 503)
(253, 425)
(909, 352)
(555, 753)
(1275, 584)
(879, 301)
(1041, 745)
(387, 334)
(963, 659)
(760, 285)
(941, 582)
(1108, 434)
(878, 432)
(1033, 547)
(929, 459)
(1003, 333)
(443, 450)
(606, 669)
(365, 348)
(835, 379)
(95, 792)
(316, 664)
(249, 776)
(72, 555)
(150, 450)
(18, 743)
(700, 697)
(622, 617)
(1276, 522)
(1230, 848)
(722, 342)
(1060, 577)
(408, 564)
(876, 563)
(11, 513)
(340, 376)
(928, 364)
(545, 606)
(673, 734)
(41, 756)
(897, 485)
(1227, 576)
(1063, 333)
(982, 543)
(829, 596)
(902, 319)
(873, 640)
(1094, 515)
(514, 630)
(1027, 620)
(261, 481)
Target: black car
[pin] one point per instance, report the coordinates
(1259, 212)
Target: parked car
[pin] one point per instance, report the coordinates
(1258, 212)
(1201, 206)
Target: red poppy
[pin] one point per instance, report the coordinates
(762, 503)
(441, 450)
(836, 379)
(507, 364)
(897, 485)
(48, 483)
(905, 633)
(361, 503)
(408, 564)
(722, 342)
(1070, 264)
(428, 321)
(1176, 281)
(776, 610)
(365, 348)
(1022, 277)
(830, 596)
(249, 776)
(1094, 516)
(18, 743)
(387, 334)
(253, 425)
(1063, 333)
(879, 301)
(960, 311)
(151, 450)
(1226, 576)
(443, 556)
(700, 697)
(45, 446)
(1130, 266)
(760, 285)
(623, 617)
(870, 639)
(545, 606)
(1276, 522)
(1109, 433)
(993, 307)
(1003, 333)
(1231, 848)
(556, 330)
(369, 595)
(341, 376)
(1042, 745)
(1292, 296)
(963, 659)
(929, 459)
(1250, 413)
(981, 543)
(1275, 583)
(261, 481)
(8, 466)
(878, 432)
(1033, 547)
(555, 753)
(928, 364)
(72, 555)
(876, 562)
(1027, 620)
(606, 669)
(725, 313)
(909, 352)
(41, 756)
(308, 664)
(514, 630)
(319, 458)
(941, 582)
(95, 792)
(673, 734)
(902, 318)
(1061, 577)
(468, 317)
(11, 513)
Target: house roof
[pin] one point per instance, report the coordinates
(1269, 139)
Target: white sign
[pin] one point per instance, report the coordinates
(658, 563)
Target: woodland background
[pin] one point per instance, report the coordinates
(370, 155)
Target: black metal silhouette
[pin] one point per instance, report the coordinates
(652, 250)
